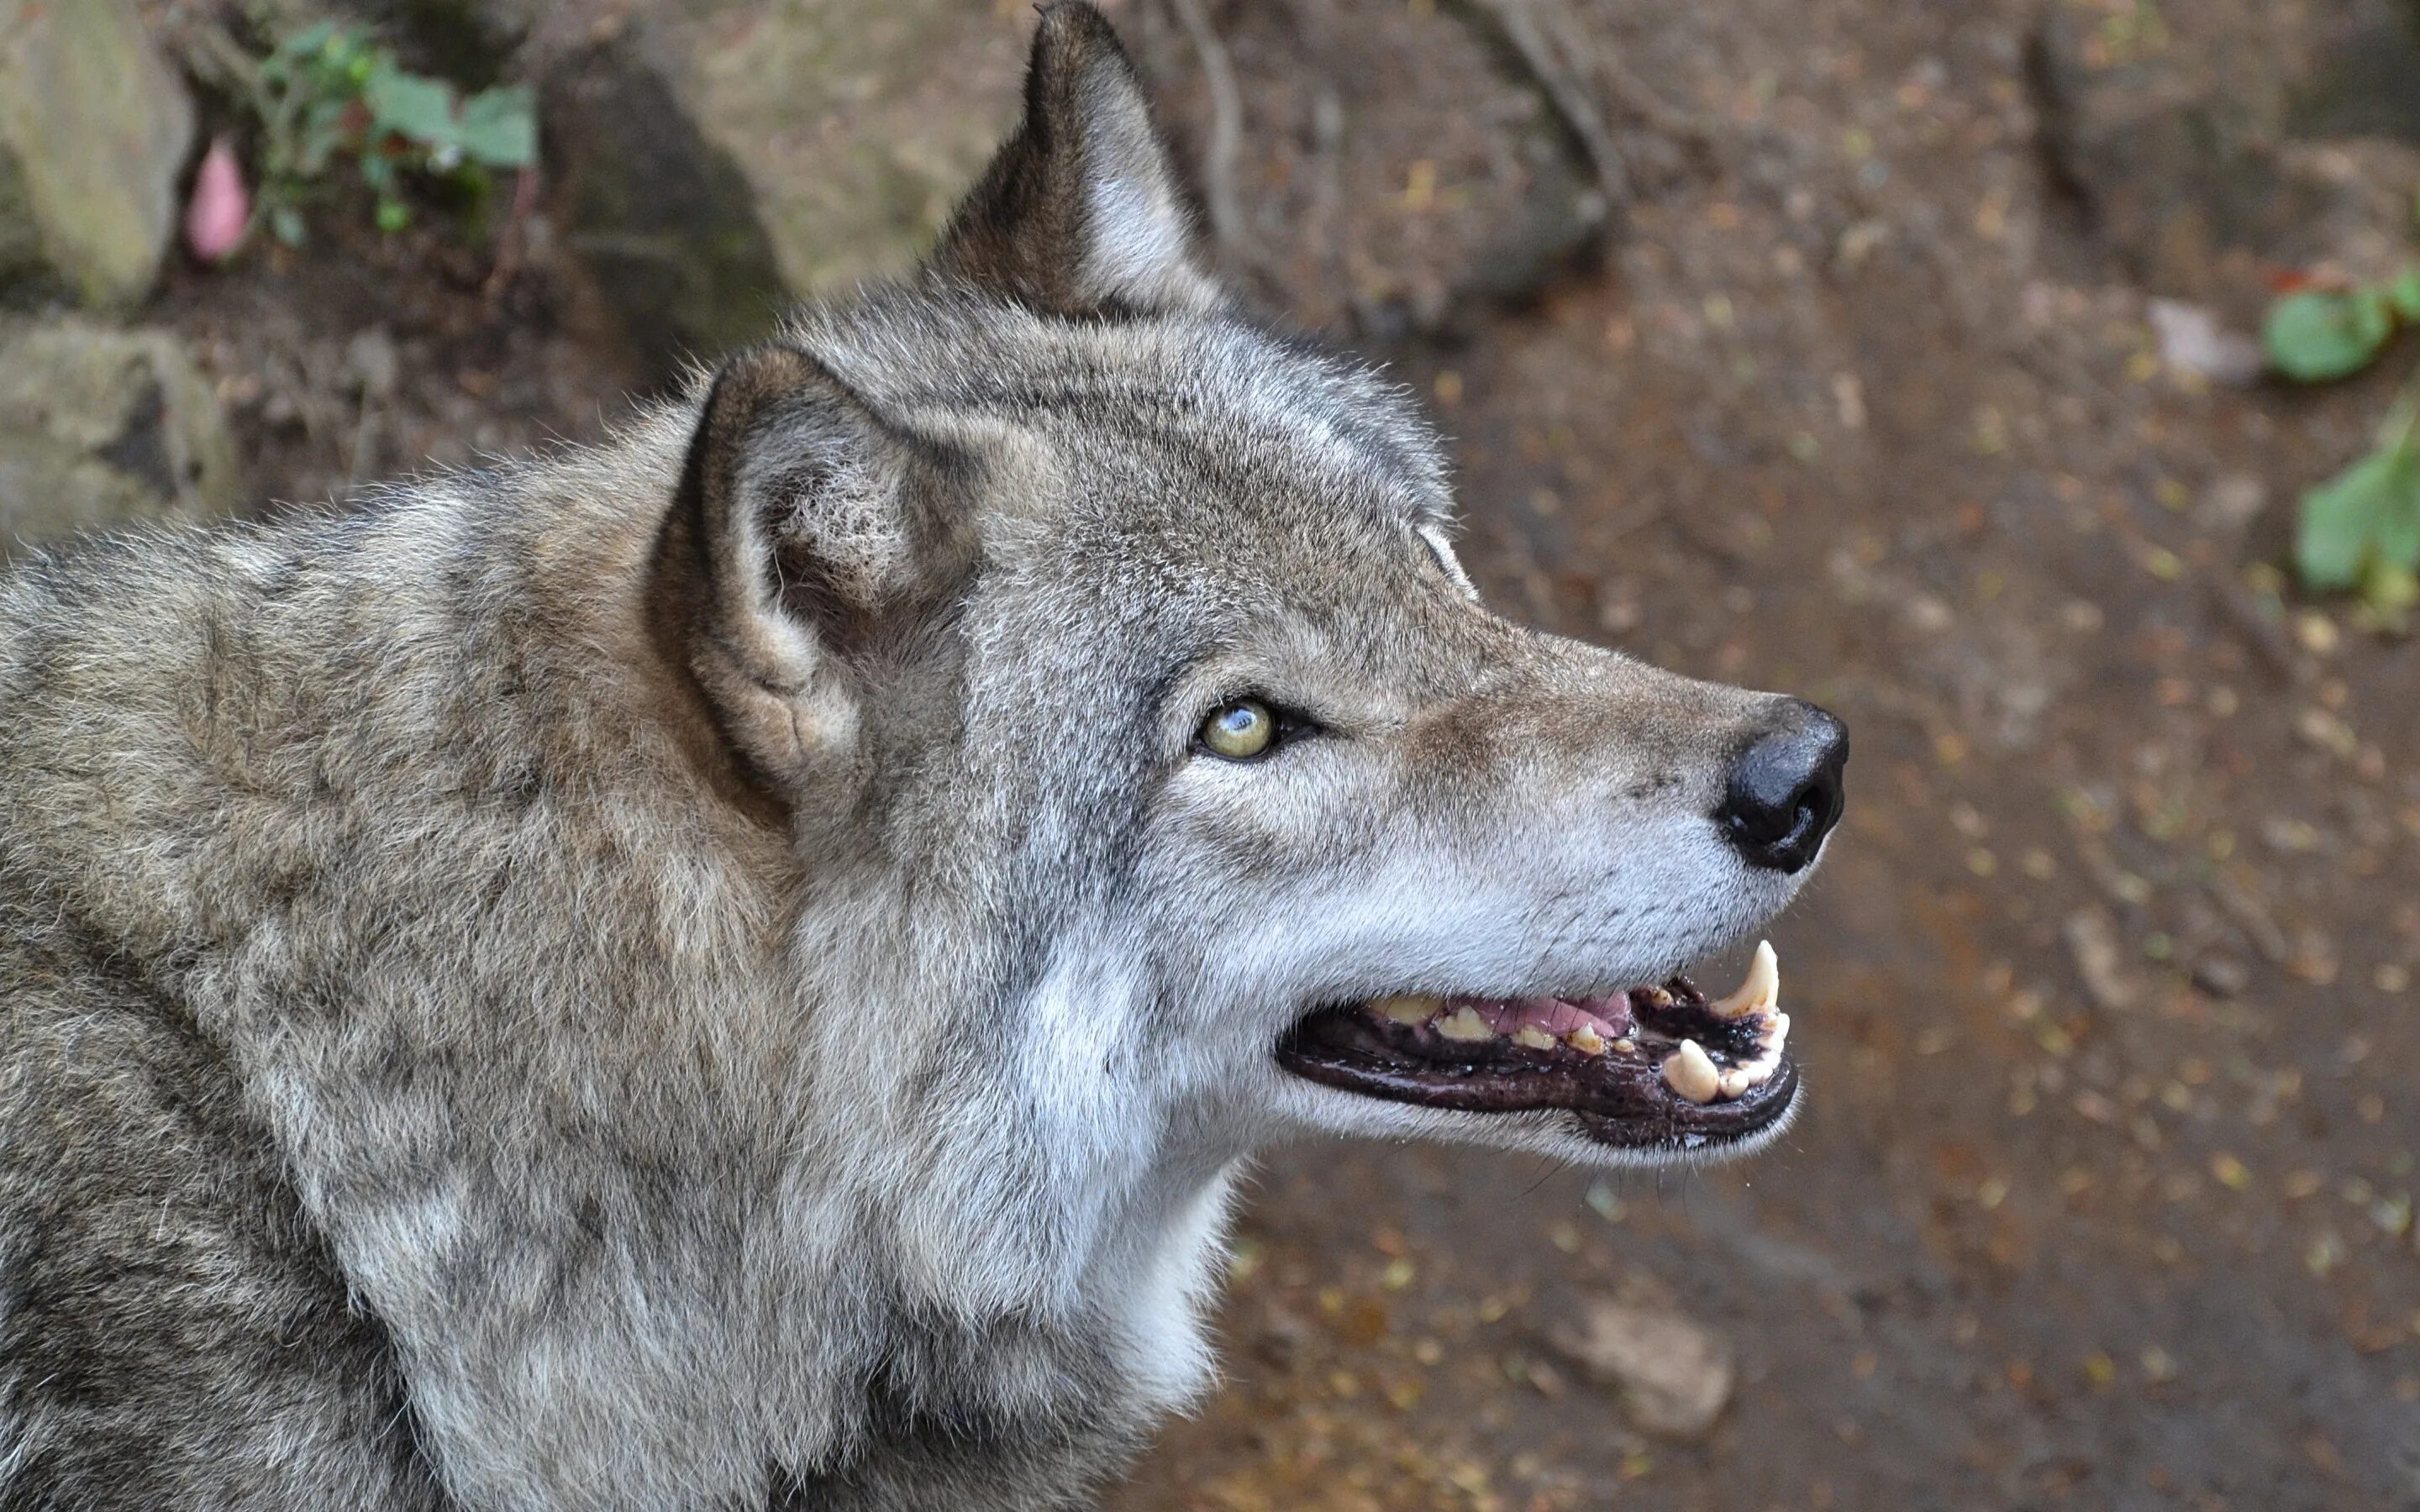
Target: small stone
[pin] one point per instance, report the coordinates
(2220, 976)
(1674, 1377)
(2193, 340)
(2093, 940)
(2232, 502)
(370, 357)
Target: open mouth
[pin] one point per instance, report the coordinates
(1650, 1067)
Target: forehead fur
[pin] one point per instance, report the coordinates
(1112, 395)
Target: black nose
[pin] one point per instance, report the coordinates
(1785, 793)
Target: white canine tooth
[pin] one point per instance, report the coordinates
(1690, 1071)
(1586, 1040)
(1465, 1024)
(1760, 991)
(1533, 1037)
(1409, 1007)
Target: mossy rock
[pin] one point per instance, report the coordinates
(102, 428)
(94, 132)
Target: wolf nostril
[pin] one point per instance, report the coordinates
(1785, 791)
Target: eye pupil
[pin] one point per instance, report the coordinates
(1242, 730)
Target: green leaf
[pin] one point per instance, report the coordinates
(2353, 514)
(499, 127)
(2395, 533)
(310, 39)
(393, 215)
(419, 109)
(2316, 335)
(2404, 294)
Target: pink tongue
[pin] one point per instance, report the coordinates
(1608, 1016)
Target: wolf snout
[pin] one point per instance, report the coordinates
(1785, 791)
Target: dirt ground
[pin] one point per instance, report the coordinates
(2103, 1194)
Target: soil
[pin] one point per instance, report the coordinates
(2103, 1193)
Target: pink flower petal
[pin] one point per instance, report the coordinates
(220, 206)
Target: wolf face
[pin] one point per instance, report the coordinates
(735, 966)
(1113, 648)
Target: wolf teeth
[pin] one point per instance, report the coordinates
(1413, 1009)
(1760, 992)
(1690, 1071)
(1586, 1040)
(1532, 1037)
(1464, 1024)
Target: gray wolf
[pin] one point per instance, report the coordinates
(737, 967)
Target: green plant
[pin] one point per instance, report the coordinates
(2359, 530)
(332, 91)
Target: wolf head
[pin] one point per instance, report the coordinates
(1157, 783)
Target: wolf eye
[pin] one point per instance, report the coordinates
(1240, 730)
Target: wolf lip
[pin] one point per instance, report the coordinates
(1651, 1067)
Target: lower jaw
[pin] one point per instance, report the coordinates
(1607, 1111)
(1619, 1099)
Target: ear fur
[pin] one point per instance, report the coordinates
(805, 539)
(1079, 213)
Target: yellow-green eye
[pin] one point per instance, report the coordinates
(1241, 730)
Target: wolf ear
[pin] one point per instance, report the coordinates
(806, 543)
(1080, 212)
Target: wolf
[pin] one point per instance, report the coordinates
(737, 967)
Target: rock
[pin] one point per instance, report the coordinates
(859, 125)
(1401, 171)
(2220, 976)
(102, 428)
(1674, 1377)
(94, 130)
(2196, 158)
(2169, 177)
(664, 221)
(2366, 82)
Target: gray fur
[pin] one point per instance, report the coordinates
(705, 971)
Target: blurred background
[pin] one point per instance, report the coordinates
(2025, 380)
